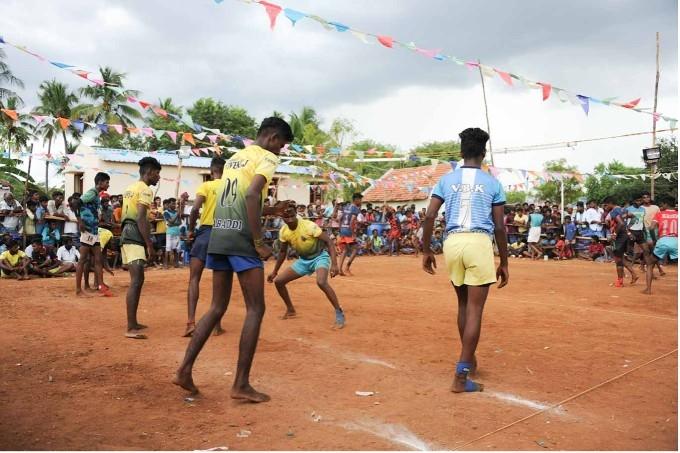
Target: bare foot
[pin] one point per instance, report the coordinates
(185, 381)
(217, 331)
(139, 326)
(250, 394)
(633, 279)
(191, 326)
(82, 293)
(348, 273)
(133, 334)
(289, 315)
(647, 291)
(341, 273)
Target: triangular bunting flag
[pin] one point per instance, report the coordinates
(309, 149)
(631, 104)
(144, 104)
(200, 136)
(172, 135)
(61, 65)
(160, 112)
(430, 53)
(64, 122)
(487, 71)
(158, 134)
(103, 128)
(273, 12)
(10, 113)
(38, 118)
(505, 76)
(188, 137)
(324, 23)
(361, 36)
(584, 103)
(147, 131)
(132, 130)
(78, 125)
(293, 15)
(212, 138)
(339, 27)
(546, 87)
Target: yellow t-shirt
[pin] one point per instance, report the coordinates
(522, 218)
(304, 238)
(231, 233)
(12, 259)
(161, 228)
(137, 193)
(208, 190)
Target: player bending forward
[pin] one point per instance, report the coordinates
(317, 255)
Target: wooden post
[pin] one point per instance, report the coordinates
(486, 110)
(30, 158)
(179, 176)
(654, 119)
(562, 199)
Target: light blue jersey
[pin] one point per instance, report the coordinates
(469, 194)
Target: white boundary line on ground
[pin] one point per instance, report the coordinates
(667, 318)
(566, 400)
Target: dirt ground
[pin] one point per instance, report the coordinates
(69, 380)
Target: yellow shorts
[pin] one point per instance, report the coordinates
(132, 252)
(104, 236)
(469, 259)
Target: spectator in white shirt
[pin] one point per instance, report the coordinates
(68, 256)
(12, 212)
(71, 224)
(593, 217)
(55, 206)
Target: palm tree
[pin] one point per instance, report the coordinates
(15, 134)
(7, 77)
(56, 100)
(109, 102)
(299, 121)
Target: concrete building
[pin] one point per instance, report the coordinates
(290, 182)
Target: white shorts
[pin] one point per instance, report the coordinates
(171, 243)
(534, 234)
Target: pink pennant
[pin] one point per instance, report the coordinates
(546, 89)
(99, 82)
(159, 111)
(471, 64)
(132, 99)
(656, 116)
(386, 41)
(147, 131)
(430, 53)
(212, 138)
(505, 76)
(273, 12)
(631, 104)
(172, 135)
(39, 118)
(117, 127)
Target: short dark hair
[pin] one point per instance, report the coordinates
(44, 198)
(171, 200)
(667, 199)
(645, 193)
(36, 240)
(100, 177)
(12, 243)
(217, 162)
(357, 196)
(148, 163)
(278, 126)
(607, 200)
(57, 192)
(473, 142)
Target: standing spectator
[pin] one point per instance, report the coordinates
(535, 221)
(579, 218)
(569, 234)
(522, 221)
(13, 262)
(71, 225)
(172, 224)
(40, 213)
(51, 235)
(395, 232)
(29, 220)
(510, 227)
(12, 212)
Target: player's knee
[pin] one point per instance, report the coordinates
(279, 283)
(322, 282)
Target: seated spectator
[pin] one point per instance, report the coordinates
(569, 231)
(509, 222)
(42, 261)
(436, 243)
(407, 247)
(4, 240)
(596, 250)
(377, 244)
(12, 214)
(13, 262)
(563, 250)
(68, 256)
(518, 249)
(548, 245)
(51, 235)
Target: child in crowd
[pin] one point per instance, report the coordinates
(569, 228)
(596, 250)
(377, 243)
(40, 213)
(51, 235)
(14, 262)
(172, 222)
(564, 251)
(437, 244)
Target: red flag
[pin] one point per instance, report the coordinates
(385, 40)
(273, 12)
(187, 137)
(505, 76)
(11, 113)
(144, 104)
(64, 122)
(631, 104)
(546, 90)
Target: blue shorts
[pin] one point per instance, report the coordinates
(232, 263)
(200, 247)
(666, 246)
(302, 266)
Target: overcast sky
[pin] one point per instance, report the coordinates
(187, 50)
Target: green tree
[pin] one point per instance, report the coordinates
(8, 79)
(109, 105)
(446, 151)
(298, 121)
(229, 119)
(341, 131)
(601, 184)
(14, 135)
(55, 100)
(513, 198)
(667, 164)
(550, 190)
(17, 178)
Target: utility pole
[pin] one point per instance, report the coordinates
(654, 119)
(486, 110)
